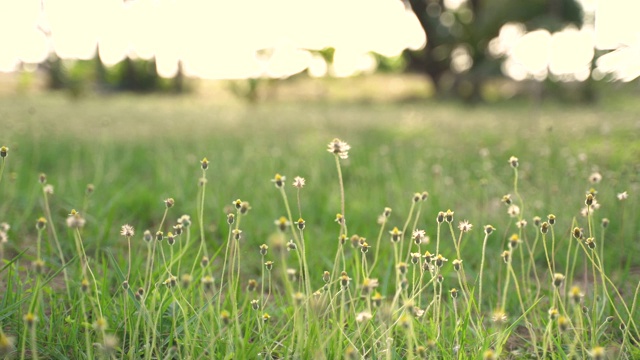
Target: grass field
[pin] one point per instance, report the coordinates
(138, 151)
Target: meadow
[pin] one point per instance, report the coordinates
(501, 187)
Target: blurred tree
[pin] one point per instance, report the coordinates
(456, 56)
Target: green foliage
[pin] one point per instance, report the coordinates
(149, 149)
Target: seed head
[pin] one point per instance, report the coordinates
(204, 262)
(488, 229)
(428, 256)
(291, 274)
(230, 218)
(204, 164)
(465, 226)
(326, 277)
(577, 233)
(513, 161)
(252, 285)
(364, 316)
(415, 258)
(563, 323)
(395, 234)
(589, 200)
(127, 231)
(263, 249)
(207, 283)
(553, 313)
(513, 210)
(237, 203)
(558, 279)
(300, 223)
(386, 212)
(552, 219)
(416, 197)
(521, 224)
(48, 189)
(622, 196)
(159, 236)
(268, 265)
(595, 177)
(41, 223)
(499, 316)
(440, 260)
(376, 299)
(339, 219)
(419, 236)
(38, 266)
(291, 245)
(42, 178)
(597, 353)
(245, 207)
(513, 241)
(278, 180)
(448, 216)
(424, 196)
(75, 220)
(605, 222)
(225, 317)
(6, 344)
(169, 202)
(344, 280)
(536, 220)
(4, 151)
(298, 182)
(506, 199)
(590, 242)
(339, 148)
(457, 264)
(576, 295)
(236, 233)
(100, 324)
(544, 227)
(440, 217)
(505, 256)
(90, 189)
(30, 319)
(364, 247)
(454, 293)
(185, 221)
(255, 304)
(185, 280)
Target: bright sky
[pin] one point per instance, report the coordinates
(222, 39)
(213, 38)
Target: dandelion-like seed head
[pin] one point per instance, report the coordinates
(424, 196)
(169, 202)
(506, 199)
(595, 177)
(263, 249)
(127, 230)
(177, 229)
(278, 180)
(326, 277)
(147, 236)
(244, 207)
(499, 317)
(207, 283)
(577, 233)
(622, 196)
(41, 223)
(591, 243)
(598, 353)
(506, 255)
(368, 285)
(558, 279)
(159, 236)
(364, 247)
(605, 222)
(551, 219)
(4, 151)
(563, 323)
(237, 203)
(553, 313)
(513, 210)
(440, 260)
(415, 258)
(75, 220)
(454, 293)
(339, 219)
(363, 316)
(237, 233)
(48, 189)
(457, 264)
(204, 262)
(465, 226)
(282, 223)
(268, 265)
(514, 240)
(255, 304)
(90, 189)
(418, 236)
(291, 245)
(440, 217)
(589, 199)
(448, 216)
(576, 295)
(513, 161)
(521, 224)
(184, 220)
(544, 227)
(252, 285)
(42, 178)
(298, 182)
(186, 280)
(386, 212)
(204, 164)
(344, 280)
(402, 267)
(488, 229)
(100, 324)
(301, 224)
(416, 197)
(376, 299)
(339, 148)
(395, 234)
(231, 218)
(537, 221)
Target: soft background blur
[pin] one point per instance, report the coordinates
(475, 50)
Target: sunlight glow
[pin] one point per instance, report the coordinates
(212, 38)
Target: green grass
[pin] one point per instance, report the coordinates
(138, 151)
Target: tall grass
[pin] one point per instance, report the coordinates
(278, 274)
